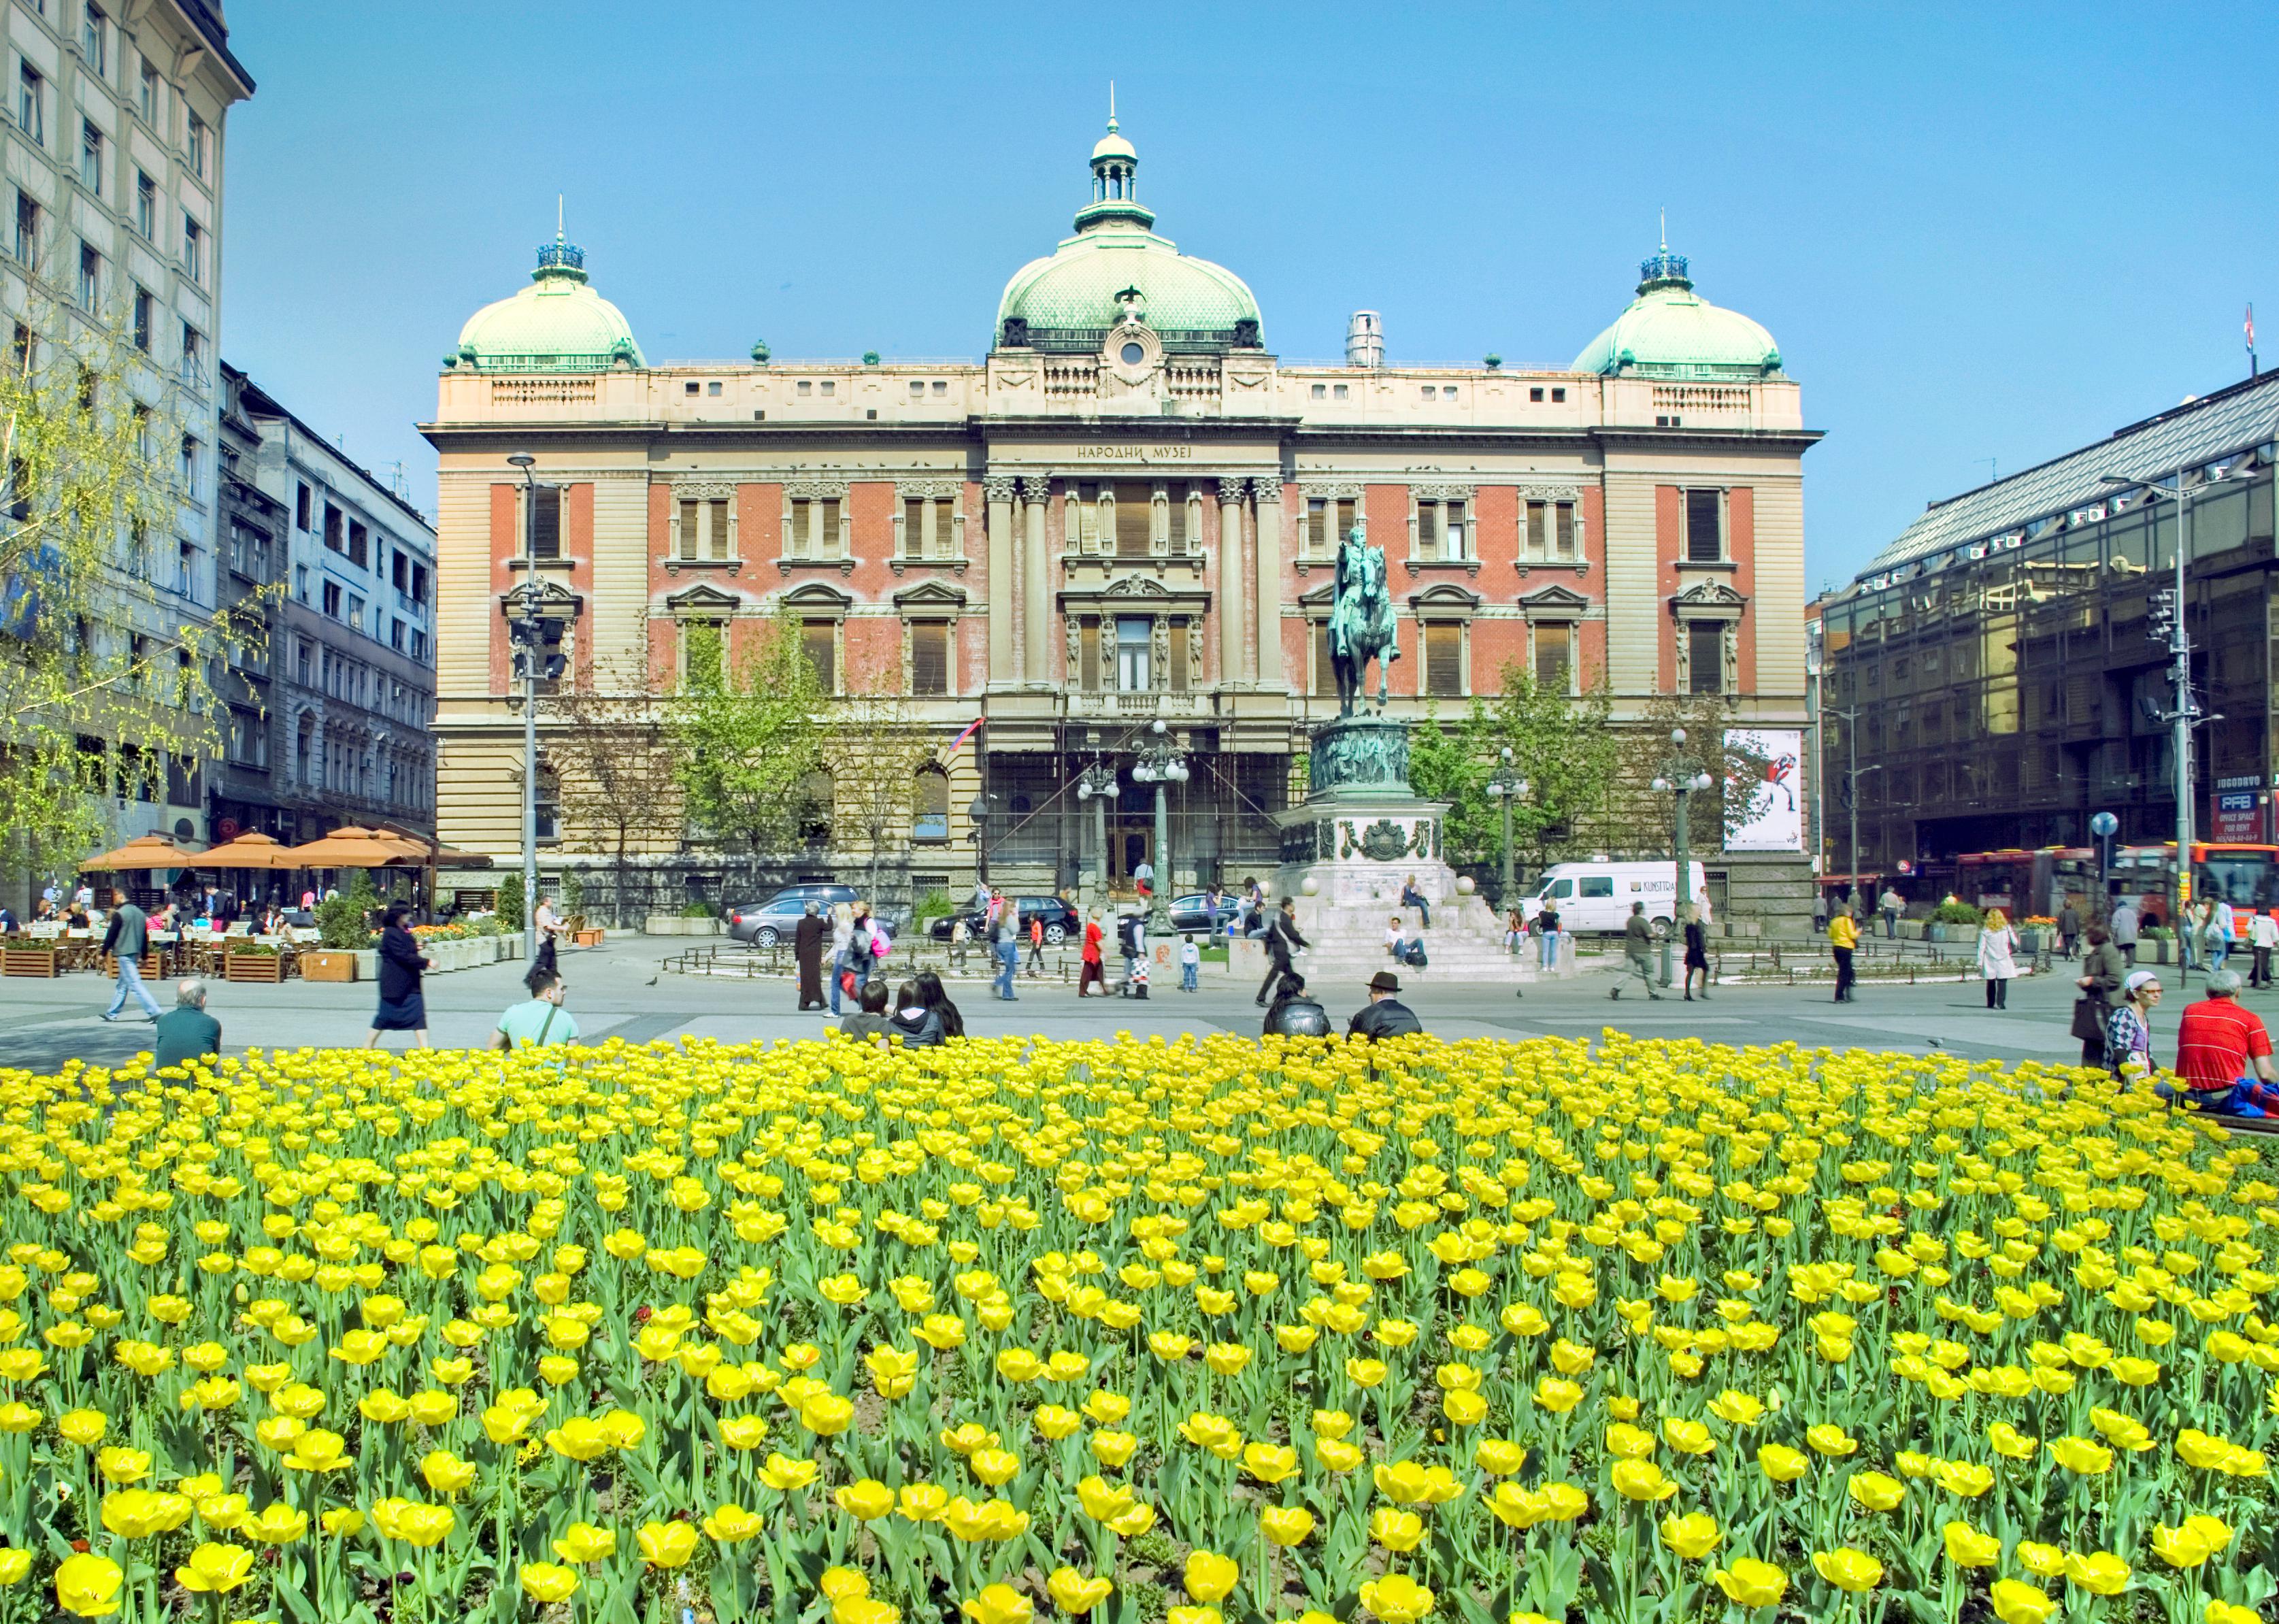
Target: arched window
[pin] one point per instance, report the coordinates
(929, 805)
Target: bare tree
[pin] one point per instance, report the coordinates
(616, 759)
(873, 750)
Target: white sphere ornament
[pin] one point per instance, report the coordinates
(1465, 885)
(1311, 885)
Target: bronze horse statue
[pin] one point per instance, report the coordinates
(1360, 621)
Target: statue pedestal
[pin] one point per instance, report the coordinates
(1354, 843)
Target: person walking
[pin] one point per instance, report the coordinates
(1385, 1015)
(1843, 937)
(2129, 1029)
(1190, 963)
(2262, 936)
(1638, 953)
(1143, 879)
(807, 942)
(1036, 945)
(539, 1022)
(402, 1005)
(1546, 934)
(1997, 946)
(2069, 928)
(1892, 904)
(549, 931)
(2122, 928)
(1697, 953)
(2217, 925)
(842, 935)
(1092, 972)
(1005, 943)
(2103, 980)
(127, 938)
(186, 1032)
(861, 946)
(1282, 940)
(1132, 935)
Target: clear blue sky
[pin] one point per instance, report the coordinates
(1989, 231)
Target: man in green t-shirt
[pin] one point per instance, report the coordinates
(185, 1032)
(543, 1021)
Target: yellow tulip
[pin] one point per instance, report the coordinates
(2080, 1456)
(1848, 1569)
(2181, 1547)
(1749, 1582)
(1874, 1490)
(1210, 1577)
(2016, 1602)
(582, 1543)
(1642, 1480)
(84, 1427)
(1395, 1529)
(215, 1569)
(1286, 1525)
(139, 1513)
(89, 1585)
(866, 1501)
(15, 1564)
(1693, 1535)
(544, 1582)
(1966, 1547)
(1397, 1599)
(2100, 1572)
(730, 1524)
(667, 1544)
(998, 1603)
(1075, 1593)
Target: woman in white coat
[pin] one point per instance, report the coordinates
(1997, 941)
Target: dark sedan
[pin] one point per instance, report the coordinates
(1063, 923)
(1195, 913)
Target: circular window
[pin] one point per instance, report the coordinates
(1133, 354)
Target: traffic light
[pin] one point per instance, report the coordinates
(2160, 616)
(539, 642)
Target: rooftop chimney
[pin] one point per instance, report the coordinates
(1365, 339)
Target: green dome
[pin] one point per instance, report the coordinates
(557, 324)
(1069, 300)
(1669, 331)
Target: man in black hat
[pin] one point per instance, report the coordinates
(1384, 1015)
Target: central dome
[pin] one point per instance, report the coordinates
(1116, 265)
(557, 324)
(1669, 331)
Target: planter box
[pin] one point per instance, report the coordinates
(586, 938)
(329, 964)
(2159, 951)
(253, 967)
(1936, 933)
(1910, 930)
(34, 961)
(2032, 941)
(673, 925)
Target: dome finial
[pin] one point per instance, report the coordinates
(1664, 269)
(1111, 107)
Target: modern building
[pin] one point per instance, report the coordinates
(1124, 513)
(2000, 668)
(329, 722)
(114, 163)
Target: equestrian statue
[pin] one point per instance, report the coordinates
(1360, 620)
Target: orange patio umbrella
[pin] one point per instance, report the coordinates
(353, 848)
(249, 850)
(144, 851)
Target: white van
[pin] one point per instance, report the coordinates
(1598, 895)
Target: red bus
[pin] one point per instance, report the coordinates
(2036, 883)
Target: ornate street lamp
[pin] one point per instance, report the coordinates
(1161, 762)
(1503, 789)
(1682, 775)
(1097, 784)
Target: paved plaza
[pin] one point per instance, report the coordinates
(622, 989)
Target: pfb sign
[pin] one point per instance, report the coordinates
(2239, 817)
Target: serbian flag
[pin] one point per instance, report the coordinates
(959, 742)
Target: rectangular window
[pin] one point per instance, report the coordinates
(396, 634)
(1453, 533)
(335, 528)
(1327, 521)
(28, 229)
(1441, 532)
(1554, 657)
(702, 530)
(419, 583)
(1325, 673)
(94, 38)
(301, 504)
(1135, 521)
(914, 518)
(91, 157)
(1179, 672)
(194, 356)
(147, 93)
(356, 611)
(930, 656)
(798, 534)
(545, 522)
(1444, 658)
(90, 277)
(142, 307)
(1134, 653)
(146, 206)
(360, 544)
(1705, 538)
(819, 640)
(31, 98)
(187, 465)
(1083, 518)
(1705, 657)
(1427, 530)
(332, 603)
(1564, 537)
(194, 249)
(701, 642)
(399, 573)
(1088, 654)
(196, 146)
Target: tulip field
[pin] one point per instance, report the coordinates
(1199, 1332)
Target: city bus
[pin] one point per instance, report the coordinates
(2036, 883)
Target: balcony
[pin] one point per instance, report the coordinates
(1138, 707)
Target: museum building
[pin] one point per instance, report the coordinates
(1124, 513)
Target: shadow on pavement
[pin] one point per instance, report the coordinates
(46, 1048)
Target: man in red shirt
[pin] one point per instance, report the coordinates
(2223, 1054)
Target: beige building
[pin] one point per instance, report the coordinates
(1123, 513)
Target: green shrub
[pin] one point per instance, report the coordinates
(345, 921)
(2157, 933)
(934, 905)
(698, 911)
(1955, 913)
(510, 903)
(573, 893)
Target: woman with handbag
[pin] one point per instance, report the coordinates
(2103, 974)
(1997, 964)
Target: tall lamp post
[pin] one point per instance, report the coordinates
(1097, 784)
(2185, 712)
(1160, 763)
(527, 632)
(1501, 788)
(1681, 776)
(1853, 774)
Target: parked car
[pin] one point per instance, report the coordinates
(1195, 913)
(1063, 923)
(764, 924)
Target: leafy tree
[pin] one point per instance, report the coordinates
(101, 682)
(509, 902)
(872, 751)
(1560, 745)
(616, 755)
(1639, 817)
(750, 736)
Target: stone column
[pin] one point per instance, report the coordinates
(1230, 581)
(1004, 589)
(1036, 579)
(1270, 580)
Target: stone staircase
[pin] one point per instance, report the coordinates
(1347, 947)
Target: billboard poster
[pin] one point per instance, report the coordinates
(1773, 817)
(2239, 817)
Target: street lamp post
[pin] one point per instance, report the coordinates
(1502, 788)
(1681, 776)
(1853, 774)
(2185, 714)
(1097, 784)
(1160, 763)
(529, 637)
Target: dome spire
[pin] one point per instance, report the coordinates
(1115, 185)
(560, 260)
(1662, 269)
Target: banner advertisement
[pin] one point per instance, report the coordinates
(1774, 816)
(2239, 817)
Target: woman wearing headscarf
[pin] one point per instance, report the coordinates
(402, 1005)
(807, 947)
